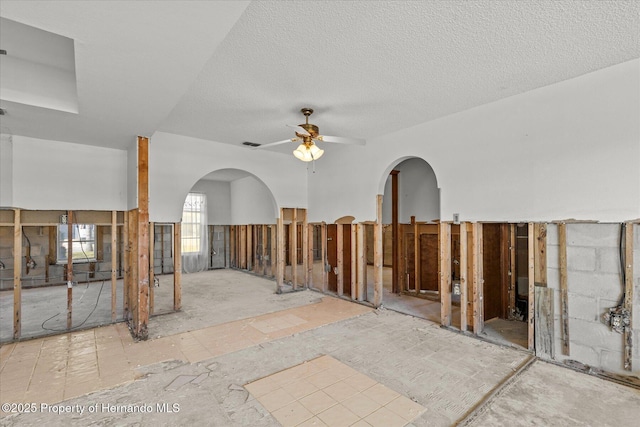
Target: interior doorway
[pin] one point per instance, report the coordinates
(505, 288)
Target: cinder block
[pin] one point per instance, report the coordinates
(583, 354)
(581, 258)
(593, 235)
(594, 284)
(553, 278)
(613, 361)
(608, 260)
(583, 307)
(593, 334)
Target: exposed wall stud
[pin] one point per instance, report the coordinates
(564, 289)
(114, 265)
(531, 275)
(463, 276)
(445, 273)
(377, 254)
(628, 294)
(17, 274)
(177, 266)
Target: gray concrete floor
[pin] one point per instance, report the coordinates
(459, 379)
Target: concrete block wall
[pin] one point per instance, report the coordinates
(594, 285)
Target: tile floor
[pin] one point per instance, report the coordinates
(57, 368)
(326, 392)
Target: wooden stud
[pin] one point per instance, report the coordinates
(307, 258)
(628, 294)
(531, 275)
(69, 269)
(126, 278)
(142, 296)
(378, 260)
(463, 276)
(323, 240)
(273, 257)
(564, 290)
(513, 284)
(340, 249)
(361, 278)
(264, 254)
(133, 263)
(280, 252)
(17, 275)
(354, 261)
(540, 249)
(445, 273)
(114, 265)
(293, 247)
(152, 287)
(177, 266)
(395, 232)
(416, 255)
(478, 280)
(504, 271)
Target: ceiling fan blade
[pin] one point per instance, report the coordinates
(341, 140)
(271, 144)
(299, 129)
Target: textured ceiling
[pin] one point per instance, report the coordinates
(218, 71)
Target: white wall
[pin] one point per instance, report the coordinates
(52, 175)
(218, 200)
(569, 150)
(177, 162)
(252, 202)
(418, 193)
(6, 170)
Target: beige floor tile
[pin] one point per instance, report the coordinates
(381, 394)
(79, 389)
(338, 416)
(318, 402)
(361, 405)
(340, 391)
(361, 423)
(313, 422)
(292, 414)
(405, 407)
(300, 388)
(383, 417)
(323, 379)
(275, 399)
(261, 387)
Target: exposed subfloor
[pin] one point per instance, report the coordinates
(197, 375)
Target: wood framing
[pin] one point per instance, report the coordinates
(142, 288)
(478, 281)
(445, 274)
(628, 294)
(280, 252)
(354, 262)
(293, 248)
(126, 279)
(377, 254)
(177, 266)
(273, 256)
(540, 253)
(69, 269)
(531, 275)
(564, 289)
(395, 232)
(309, 259)
(513, 283)
(323, 240)
(416, 252)
(340, 258)
(114, 264)
(361, 263)
(17, 275)
(464, 265)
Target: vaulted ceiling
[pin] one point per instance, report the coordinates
(240, 71)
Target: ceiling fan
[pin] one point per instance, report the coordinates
(307, 132)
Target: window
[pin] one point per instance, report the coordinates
(83, 243)
(192, 223)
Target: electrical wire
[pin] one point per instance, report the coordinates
(84, 321)
(623, 262)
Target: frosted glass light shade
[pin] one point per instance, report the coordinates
(307, 154)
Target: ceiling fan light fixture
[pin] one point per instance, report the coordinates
(303, 153)
(316, 152)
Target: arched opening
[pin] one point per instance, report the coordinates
(410, 240)
(227, 221)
